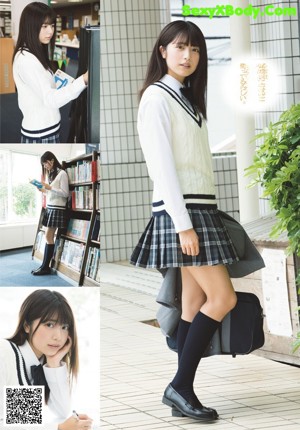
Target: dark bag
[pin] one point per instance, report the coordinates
(241, 331)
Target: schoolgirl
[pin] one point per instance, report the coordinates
(43, 351)
(38, 98)
(57, 192)
(185, 230)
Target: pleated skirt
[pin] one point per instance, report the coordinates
(55, 218)
(159, 246)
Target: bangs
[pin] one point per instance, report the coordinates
(58, 312)
(189, 36)
(49, 19)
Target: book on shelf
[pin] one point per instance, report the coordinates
(83, 171)
(78, 228)
(92, 269)
(40, 241)
(98, 168)
(82, 197)
(97, 202)
(96, 229)
(72, 254)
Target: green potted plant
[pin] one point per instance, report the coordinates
(276, 167)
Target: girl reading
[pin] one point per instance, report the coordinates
(57, 192)
(38, 98)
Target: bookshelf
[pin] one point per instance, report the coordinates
(77, 248)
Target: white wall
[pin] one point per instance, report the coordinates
(17, 236)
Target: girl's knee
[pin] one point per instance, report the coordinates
(231, 301)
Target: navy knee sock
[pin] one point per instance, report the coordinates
(199, 335)
(183, 329)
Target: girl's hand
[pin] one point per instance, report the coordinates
(72, 423)
(54, 360)
(46, 186)
(189, 242)
(86, 78)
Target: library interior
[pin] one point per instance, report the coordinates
(76, 256)
(76, 50)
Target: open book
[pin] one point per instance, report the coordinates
(62, 79)
(36, 183)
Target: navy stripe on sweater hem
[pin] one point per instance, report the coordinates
(44, 133)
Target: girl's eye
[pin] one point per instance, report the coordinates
(50, 324)
(65, 327)
(196, 50)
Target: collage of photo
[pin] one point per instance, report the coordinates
(50, 215)
(149, 214)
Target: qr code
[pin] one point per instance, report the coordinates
(23, 406)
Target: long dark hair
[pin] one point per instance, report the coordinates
(188, 33)
(48, 156)
(47, 305)
(33, 17)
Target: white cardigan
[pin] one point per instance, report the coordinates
(176, 151)
(59, 401)
(58, 195)
(38, 98)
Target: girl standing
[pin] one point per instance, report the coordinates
(57, 191)
(38, 98)
(185, 230)
(43, 351)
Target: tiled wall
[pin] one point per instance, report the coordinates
(128, 33)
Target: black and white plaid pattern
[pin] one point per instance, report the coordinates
(159, 246)
(51, 139)
(55, 218)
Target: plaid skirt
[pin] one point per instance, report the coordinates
(52, 139)
(55, 218)
(159, 246)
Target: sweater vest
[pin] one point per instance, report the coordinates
(191, 152)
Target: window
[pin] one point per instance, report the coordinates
(19, 200)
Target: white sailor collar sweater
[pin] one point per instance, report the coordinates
(176, 151)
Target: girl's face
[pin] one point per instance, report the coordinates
(48, 165)
(49, 338)
(182, 59)
(46, 33)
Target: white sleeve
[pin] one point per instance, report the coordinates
(32, 73)
(60, 394)
(63, 190)
(154, 127)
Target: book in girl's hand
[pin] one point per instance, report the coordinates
(36, 183)
(62, 79)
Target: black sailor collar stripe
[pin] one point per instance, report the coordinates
(196, 117)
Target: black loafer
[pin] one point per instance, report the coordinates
(41, 272)
(176, 413)
(176, 401)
